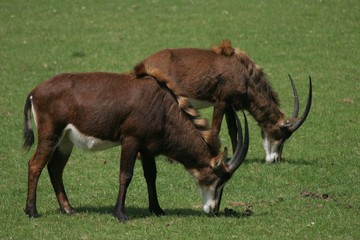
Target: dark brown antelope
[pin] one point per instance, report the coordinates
(221, 76)
(96, 111)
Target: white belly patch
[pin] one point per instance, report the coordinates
(85, 142)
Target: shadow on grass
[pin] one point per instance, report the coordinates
(283, 161)
(138, 213)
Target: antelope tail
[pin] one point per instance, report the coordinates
(28, 131)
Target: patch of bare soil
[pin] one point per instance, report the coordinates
(346, 100)
(248, 206)
(315, 195)
(324, 196)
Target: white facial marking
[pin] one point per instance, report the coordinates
(272, 150)
(83, 141)
(208, 196)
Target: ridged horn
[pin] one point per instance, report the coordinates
(296, 99)
(297, 124)
(241, 147)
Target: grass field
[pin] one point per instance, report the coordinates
(313, 194)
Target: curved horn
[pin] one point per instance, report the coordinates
(296, 99)
(241, 147)
(296, 125)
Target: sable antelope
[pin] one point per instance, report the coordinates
(221, 76)
(96, 111)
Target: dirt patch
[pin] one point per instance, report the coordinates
(248, 206)
(346, 100)
(324, 196)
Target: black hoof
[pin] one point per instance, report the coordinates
(70, 211)
(32, 213)
(157, 211)
(121, 216)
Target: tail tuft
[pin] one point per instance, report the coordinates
(28, 139)
(28, 132)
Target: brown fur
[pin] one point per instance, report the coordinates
(141, 115)
(201, 124)
(221, 74)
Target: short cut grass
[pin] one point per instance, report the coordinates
(313, 194)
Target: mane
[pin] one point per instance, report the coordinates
(266, 101)
(259, 88)
(224, 48)
(201, 124)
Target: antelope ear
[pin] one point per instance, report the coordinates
(219, 159)
(288, 122)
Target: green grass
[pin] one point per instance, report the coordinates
(39, 39)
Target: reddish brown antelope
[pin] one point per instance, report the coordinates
(221, 76)
(96, 111)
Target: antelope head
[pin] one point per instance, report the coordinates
(211, 179)
(274, 140)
